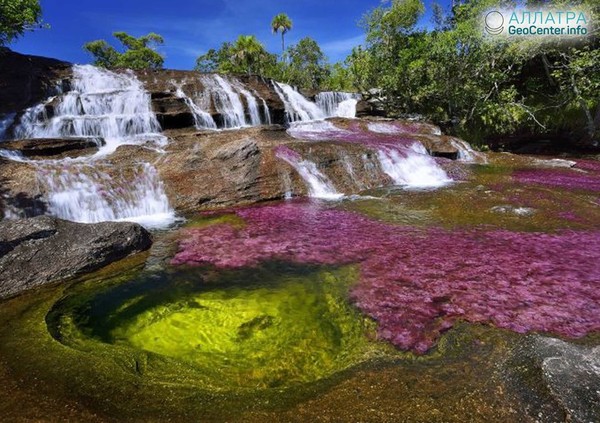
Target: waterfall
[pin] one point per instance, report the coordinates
(227, 102)
(297, 107)
(202, 119)
(87, 193)
(412, 167)
(253, 111)
(5, 122)
(101, 104)
(319, 185)
(339, 104)
(266, 112)
(112, 106)
(466, 152)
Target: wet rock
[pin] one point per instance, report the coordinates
(45, 249)
(48, 147)
(509, 209)
(172, 111)
(554, 163)
(365, 108)
(560, 381)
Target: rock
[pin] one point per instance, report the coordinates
(175, 120)
(365, 108)
(44, 249)
(28, 80)
(554, 163)
(559, 381)
(439, 145)
(172, 111)
(508, 209)
(47, 147)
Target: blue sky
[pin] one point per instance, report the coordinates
(191, 27)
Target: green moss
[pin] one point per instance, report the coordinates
(202, 221)
(471, 203)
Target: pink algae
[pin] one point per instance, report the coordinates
(416, 283)
(585, 176)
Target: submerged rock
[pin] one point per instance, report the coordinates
(44, 249)
(508, 209)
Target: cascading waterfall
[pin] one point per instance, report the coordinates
(337, 104)
(227, 102)
(297, 107)
(101, 104)
(319, 185)
(202, 119)
(87, 193)
(253, 111)
(237, 106)
(116, 108)
(466, 152)
(266, 112)
(412, 167)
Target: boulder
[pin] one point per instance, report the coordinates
(559, 381)
(365, 108)
(48, 147)
(44, 249)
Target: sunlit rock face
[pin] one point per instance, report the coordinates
(416, 283)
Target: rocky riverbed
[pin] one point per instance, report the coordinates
(176, 245)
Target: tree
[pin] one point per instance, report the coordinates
(17, 17)
(307, 65)
(139, 52)
(281, 24)
(247, 53)
(482, 87)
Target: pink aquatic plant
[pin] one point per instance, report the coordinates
(585, 176)
(416, 283)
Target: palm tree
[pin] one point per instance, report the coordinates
(247, 51)
(281, 23)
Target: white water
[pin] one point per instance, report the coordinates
(297, 107)
(202, 119)
(337, 104)
(116, 108)
(227, 102)
(319, 185)
(267, 112)
(15, 156)
(413, 169)
(316, 130)
(252, 104)
(383, 128)
(102, 104)
(88, 194)
(466, 152)
(5, 123)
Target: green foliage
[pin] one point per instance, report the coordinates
(17, 17)
(339, 78)
(139, 52)
(246, 55)
(306, 64)
(454, 74)
(281, 23)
